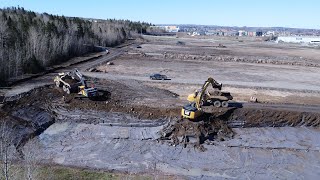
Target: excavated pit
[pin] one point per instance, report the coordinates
(31, 113)
(250, 117)
(218, 126)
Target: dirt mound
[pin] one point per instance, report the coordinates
(196, 133)
(226, 56)
(247, 117)
(131, 91)
(28, 115)
(138, 111)
(41, 97)
(132, 98)
(25, 123)
(218, 126)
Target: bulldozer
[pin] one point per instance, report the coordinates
(74, 82)
(204, 101)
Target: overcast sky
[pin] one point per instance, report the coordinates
(284, 13)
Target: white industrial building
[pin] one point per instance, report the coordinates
(299, 39)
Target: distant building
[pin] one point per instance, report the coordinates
(220, 33)
(210, 33)
(259, 33)
(231, 33)
(215, 33)
(168, 28)
(252, 33)
(172, 28)
(243, 33)
(269, 33)
(194, 33)
(299, 39)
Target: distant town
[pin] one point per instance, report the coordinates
(279, 34)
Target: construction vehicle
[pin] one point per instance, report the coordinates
(204, 101)
(74, 82)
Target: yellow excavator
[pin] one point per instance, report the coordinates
(74, 82)
(204, 101)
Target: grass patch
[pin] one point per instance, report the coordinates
(67, 173)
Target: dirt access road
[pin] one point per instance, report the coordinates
(279, 73)
(125, 132)
(47, 79)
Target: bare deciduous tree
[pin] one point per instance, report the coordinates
(30, 42)
(30, 159)
(6, 147)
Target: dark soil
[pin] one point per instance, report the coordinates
(207, 130)
(272, 118)
(218, 126)
(35, 111)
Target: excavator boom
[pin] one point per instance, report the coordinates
(205, 99)
(215, 85)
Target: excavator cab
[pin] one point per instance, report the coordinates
(190, 111)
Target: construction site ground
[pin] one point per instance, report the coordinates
(135, 127)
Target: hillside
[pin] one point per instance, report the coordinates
(30, 41)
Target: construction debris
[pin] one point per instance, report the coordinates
(110, 63)
(253, 99)
(181, 43)
(222, 46)
(94, 70)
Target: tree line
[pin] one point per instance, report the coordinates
(30, 41)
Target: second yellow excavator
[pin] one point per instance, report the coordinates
(204, 101)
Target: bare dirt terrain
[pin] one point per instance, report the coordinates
(136, 127)
(272, 72)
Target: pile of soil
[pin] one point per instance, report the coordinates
(272, 118)
(126, 98)
(196, 133)
(28, 116)
(111, 105)
(218, 126)
(294, 61)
